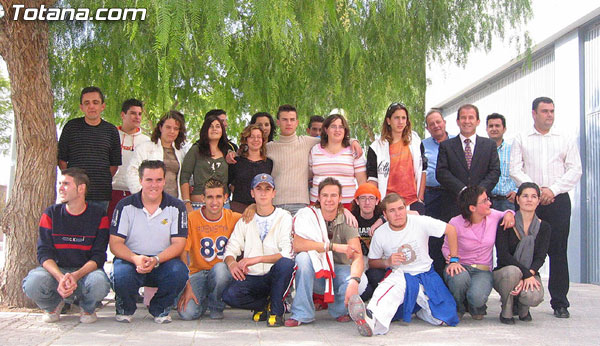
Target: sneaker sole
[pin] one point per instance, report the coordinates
(358, 313)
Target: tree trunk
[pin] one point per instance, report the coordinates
(24, 47)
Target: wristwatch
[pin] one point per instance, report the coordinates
(157, 261)
(355, 278)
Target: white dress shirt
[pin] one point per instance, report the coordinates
(473, 139)
(550, 160)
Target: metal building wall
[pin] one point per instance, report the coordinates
(591, 51)
(510, 95)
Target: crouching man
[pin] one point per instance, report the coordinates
(412, 285)
(329, 257)
(263, 277)
(71, 249)
(147, 236)
(209, 229)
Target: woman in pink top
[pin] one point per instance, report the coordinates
(333, 157)
(476, 229)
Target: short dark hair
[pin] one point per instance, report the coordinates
(529, 185)
(496, 116)
(315, 119)
(131, 103)
(468, 197)
(215, 112)
(151, 164)
(391, 198)
(538, 100)
(213, 183)
(431, 111)
(466, 106)
(79, 176)
(91, 89)
(286, 108)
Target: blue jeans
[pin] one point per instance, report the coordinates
(292, 207)
(101, 204)
(303, 308)
(257, 291)
(208, 286)
(40, 286)
(170, 278)
(502, 204)
(472, 285)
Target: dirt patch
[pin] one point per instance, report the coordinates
(6, 308)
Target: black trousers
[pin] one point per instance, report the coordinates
(558, 215)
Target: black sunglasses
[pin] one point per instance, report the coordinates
(396, 104)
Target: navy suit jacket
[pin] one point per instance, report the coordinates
(452, 171)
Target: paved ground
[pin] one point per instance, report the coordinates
(583, 328)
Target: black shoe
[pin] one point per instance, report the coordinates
(526, 318)
(275, 320)
(506, 320)
(561, 313)
(259, 315)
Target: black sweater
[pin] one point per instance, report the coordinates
(506, 244)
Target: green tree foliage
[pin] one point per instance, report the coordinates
(247, 56)
(5, 115)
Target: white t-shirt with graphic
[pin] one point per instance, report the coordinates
(413, 240)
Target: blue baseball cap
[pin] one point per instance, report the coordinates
(262, 178)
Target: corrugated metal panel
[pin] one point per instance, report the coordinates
(510, 95)
(592, 128)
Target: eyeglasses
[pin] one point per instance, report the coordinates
(337, 127)
(487, 199)
(255, 137)
(367, 198)
(396, 104)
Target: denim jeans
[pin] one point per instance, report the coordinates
(502, 204)
(208, 286)
(40, 286)
(170, 278)
(292, 207)
(303, 308)
(256, 291)
(472, 285)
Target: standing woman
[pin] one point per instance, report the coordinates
(521, 252)
(204, 160)
(333, 157)
(252, 160)
(265, 121)
(166, 144)
(476, 230)
(394, 162)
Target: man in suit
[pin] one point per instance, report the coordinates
(466, 159)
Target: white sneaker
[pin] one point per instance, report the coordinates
(88, 318)
(162, 319)
(124, 318)
(54, 316)
(358, 313)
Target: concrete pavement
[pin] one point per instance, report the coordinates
(583, 328)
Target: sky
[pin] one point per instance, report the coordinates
(549, 17)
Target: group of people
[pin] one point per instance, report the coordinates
(409, 227)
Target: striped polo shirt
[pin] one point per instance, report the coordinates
(149, 234)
